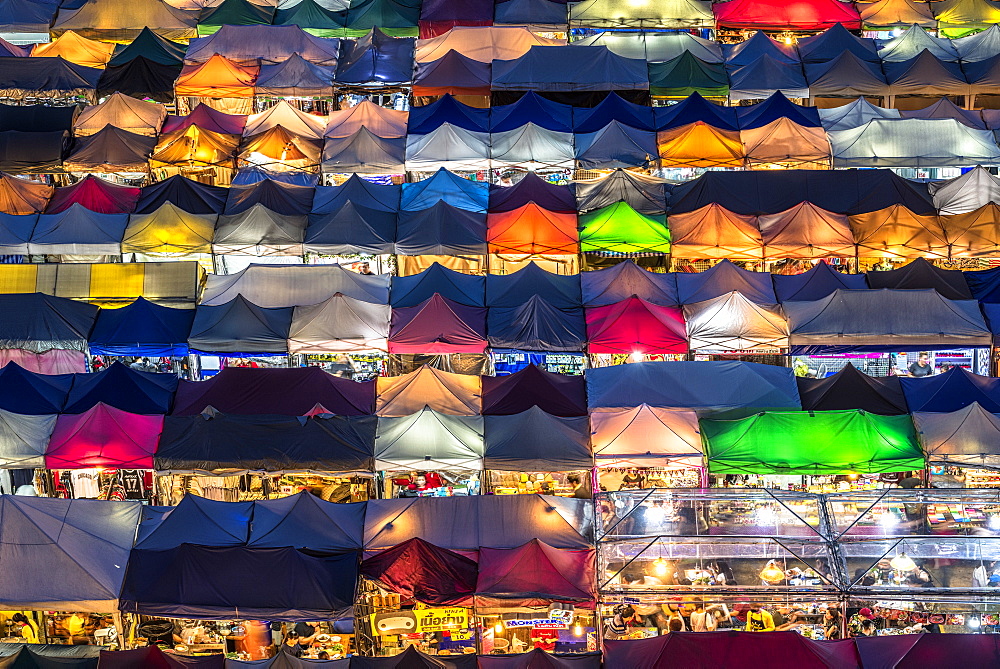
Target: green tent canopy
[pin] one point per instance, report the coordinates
(618, 228)
(811, 442)
(687, 74)
(234, 13)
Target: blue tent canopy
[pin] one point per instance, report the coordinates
(452, 73)
(624, 280)
(38, 322)
(441, 229)
(27, 16)
(15, 232)
(834, 41)
(530, 12)
(514, 290)
(33, 394)
(758, 192)
(123, 388)
(775, 107)
(612, 108)
(575, 69)
(445, 186)
(537, 325)
(466, 289)
(985, 285)
(240, 326)
(615, 146)
(534, 440)
(765, 75)
(280, 197)
(693, 109)
(720, 385)
(723, 278)
(37, 656)
(305, 521)
(186, 194)
(142, 328)
(380, 197)
(78, 230)
(426, 119)
(532, 108)
(817, 283)
(955, 389)
(249, 175)
(532, 188)
(351, 228)
(759, 46)
(195, 520)
(375, 58)
(267, 443)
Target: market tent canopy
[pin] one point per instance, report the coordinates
(806, 231)
(27, 16)
(834, 41)
(447, 110)
(852, 389)
(140, 78)
(50, 77)
(438, 326)
(484, 44)
(534, 440)
(715, 232)
(39, 323)
(420, 570)
(429, 440)
(532, 108)
(979, 46)
(922, 275)
(110, 20)
(612, 108)
(511, 290)
(364, 153)
(536, 573)
(884, 320)
(340, 324)
(556, 394)
(625, 279)
(217, 77)
(448, 146)
(207, 118)
(883, 14)
(470, 523)
(295, 77)
(531, 147)
(240, 326)
(123, 112)
(32, 152)
(25, 392)
(953, 390)
(448, 187)
(812, 442)
(269, 44)
(957, 18)
(304, 520)
(665, 14)
(766, 76)
(25, 656)
(235, 13)
(694, 109)
(731, 322)
(897, 232)
(784, 15)
(444, 392)
(142, 328)
(854, 114)
(968, 192)
(21, 197)
(151, 46)
(620, 229)
(288, 392)
(76, 49)
(945, 108)
(441, 229)
(700, 145)
(375, 58)
(537, 325)
(964, 438)
(467, 289)
(646, 194)
(645, 436)
(267, 443)
(911, 42)
(532, 189)
(23, 440)
(103, 437)
(925, 74)
(124, 388)
(351, 228)
(655, 46)
(195, 520)
(77, 230)
(96, 194)
(381, 121)
(633, 326)
(276, 286)
(169, 229)
(284, 115)
(186, 194)
(541, 15)
(411, 657)
(725, 277)
(846, 76)
(717, 385)
(111, 150)
(815, 284)
(686, 75)
(539, 659)
(574, 68)
(452, 74)
(85, 542)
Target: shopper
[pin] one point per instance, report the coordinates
(617, 627)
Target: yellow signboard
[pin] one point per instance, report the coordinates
(420, 620)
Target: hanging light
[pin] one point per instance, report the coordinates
(578, 630)
(660, 566)
(498, 628)
(902, 562)
(636, 356)
(772, 573)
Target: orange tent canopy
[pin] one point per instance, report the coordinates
(76, 49)
(896, 232)
(20, 196)
(699, 145)
(975, 233)
(715, 232)
(806, 231)
(784, 142)
(194, 146)
(532, 230)
(218, 77)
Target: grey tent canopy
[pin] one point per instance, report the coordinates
(429, 440)
(968, 437)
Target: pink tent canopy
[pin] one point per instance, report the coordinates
(536, 573)
(54, 361)
(104, 437)
(636, 326)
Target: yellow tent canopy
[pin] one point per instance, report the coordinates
(77, 49)
(284, 147)
(218, 77)
(699, 145)
(896, 232)
(194, 146)
(169, 229)
(973, 234)
(123, 21)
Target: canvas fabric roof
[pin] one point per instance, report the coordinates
(759, 44)
(123, 112)
(194, 146)
(645, 194)
(957, 18)
(780, 15)
(78, 230)
(447, 109)
(733, 323)
(532, 108)
(974, 234)
(111, 150)
(645, 436)
(152, 47)
(685, 75)
(21, 196)
(537, 15)
(854, 114)
(884, 320)
(240, 326)
(142, 328)
(278, 196)
(296, 77)
(103, 437)
(353, 228)
(611, 109)
(376, 196)
(655, 46)
(620, 229)
(217, 77)
(717, 385)
(364, 153)
(897, 232)
(536, 325)
(448, 146)
(448, 187)
(109, 19)
(635, 326)
(76, 49)
(340, 324)
(953, 390)
(966, 437)
(700, 145)
(556, 394)
(23, 440)
(766, 76)
(259, 231)
(270, 44)
(922, 275)
(966, 193)
(834, 41)
(238, 13)
(715, 232)
(438, 326)
(86, 541)
(531, 189)
(853, 389)
(32, 152)
(207, 118)
(511, 290)
(27, 16)
(444, 392)
(409, 291)
(285, 150)
(913, 143)
(815, 284)
(531, 229)
(375, 58)
(292, 286)
(123, 388)
(429, 437)
(803, 441)
(616, 145)
(15, 232)
(911, 42)
(531, 147)
(546, 68)
(847, 75)
(483, 44)
(288, 117)
(945, 108)
(380, 121)
(722, 278)
(46, 77)
(925, 74)
(978, 46)
(140, 78)
(896, 14)
(805, 231)
(313, 18)
(668, 14)
(441, 230)
(536, 573)
(28, 393)
(419, 570)
(625, 279)
(452, 74)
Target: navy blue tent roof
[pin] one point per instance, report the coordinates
(955, 389)
(34, 394)
(985, 285)
(375, 58)
(441, 229)
(452, 73)
(445, 186)
(534, 440)
(191, 196)
(834, 41)
(210, 582)
(718, 385)
(775, 107)
(123, 388)
(150, 46)
(426, 119)
(381, 197)
(612, 108)
(240, 326)
(142, 328)
(991, 311)
(249, 175)
(352, 228)
(39, 322)
(815, 284)
(759, 46)
(576, 69)
(466, 289)
(195, 520)
(615, 145)
(35, 656)
(268, 443)
(43, 73)
(532, 188)
(27, 16)
(853, 389)
(513, 290)
(536, 325)
(758, 192)
(530, 12)
(921, 274)
(279, 197)
(766, 74)
(532, 108)
(305, 521)
(624, 280)
(723, 278)
(692, 109)
(78, 230)
(15, 232)
(36, 118)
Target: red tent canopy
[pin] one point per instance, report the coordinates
(419, 570)
(536, 573)
(636, 326)
(154, 658)
(95, 194)
(104, 437)
(916, 651)
(786, 14)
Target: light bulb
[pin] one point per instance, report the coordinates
(902, 562)
(578, 630)
(660, 567)
(974, 623)
(771, 573)
(636, 356)
(499, 627)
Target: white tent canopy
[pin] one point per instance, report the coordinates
(965, 193)
(429, 440)
(295, 285)
(287, 117)
(969, 437)
(260, 231)
(341, 324)
(450, 147)
(913, 142)
(645, 436)
(731, 322)
(853, 115)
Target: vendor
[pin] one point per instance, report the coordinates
(25, 627)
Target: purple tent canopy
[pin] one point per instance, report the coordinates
(152, 657)
(557, 394)
(467, 12)
(287, 392)
(539, 659)
(532, 188)
(418, 570)
(438, 326)
(914, 651)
